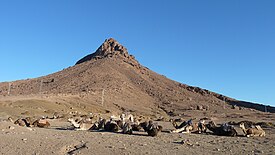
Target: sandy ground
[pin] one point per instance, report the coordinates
(59, 139)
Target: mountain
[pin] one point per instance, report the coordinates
(110, 79)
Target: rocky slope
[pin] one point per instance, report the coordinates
(112, 78)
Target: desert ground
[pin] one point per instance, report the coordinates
(54, 140)
(60, 138)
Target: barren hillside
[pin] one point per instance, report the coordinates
(110, 79)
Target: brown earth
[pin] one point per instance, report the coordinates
(111, 81)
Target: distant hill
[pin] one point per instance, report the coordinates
(126, 85)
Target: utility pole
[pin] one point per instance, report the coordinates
(265, 108)
(224, 105)
(9, 90)
(40, 89)
(102, 97)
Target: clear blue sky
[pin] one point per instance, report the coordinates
(227, 46)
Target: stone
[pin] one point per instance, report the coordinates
(111, 147)
(234, 107)
(199, 107)
(11, 127)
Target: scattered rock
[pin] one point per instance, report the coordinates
(203, 107)
(77, 148)
(199, 107)
(11, 127)
(234, 107)
(123, 148)
(143, 144)
(111, 147)
(31, 129)
(187, 142)
(258, 151)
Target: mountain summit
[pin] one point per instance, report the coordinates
(110, 79)
(110, 48)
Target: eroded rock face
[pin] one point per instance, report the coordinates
(111, 48)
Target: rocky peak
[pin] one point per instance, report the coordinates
(111, 49)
